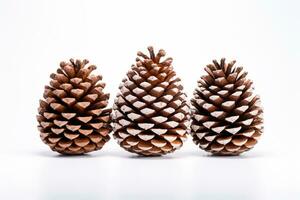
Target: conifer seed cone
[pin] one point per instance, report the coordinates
(73, 118)
(226, 115)
(151, 114)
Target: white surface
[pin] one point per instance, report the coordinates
(36, 35)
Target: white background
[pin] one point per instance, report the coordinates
(263, 36)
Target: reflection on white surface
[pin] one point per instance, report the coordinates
(124, 176)
(121, 175)
(113, 173)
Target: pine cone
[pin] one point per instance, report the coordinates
(72, 118)
(226, 116)
(151, 115)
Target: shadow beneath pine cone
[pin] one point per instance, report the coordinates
(232, 157)
(140, 157)
(126, 155)
(50, 154)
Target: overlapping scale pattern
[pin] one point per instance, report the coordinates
(72, 117)
(151, 114)
(226, 115)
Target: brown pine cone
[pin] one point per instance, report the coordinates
(226, 116)
(72, 117)
(151, 115)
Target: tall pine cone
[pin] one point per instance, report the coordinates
(72, 117)
(151, 115)
(226, 116)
